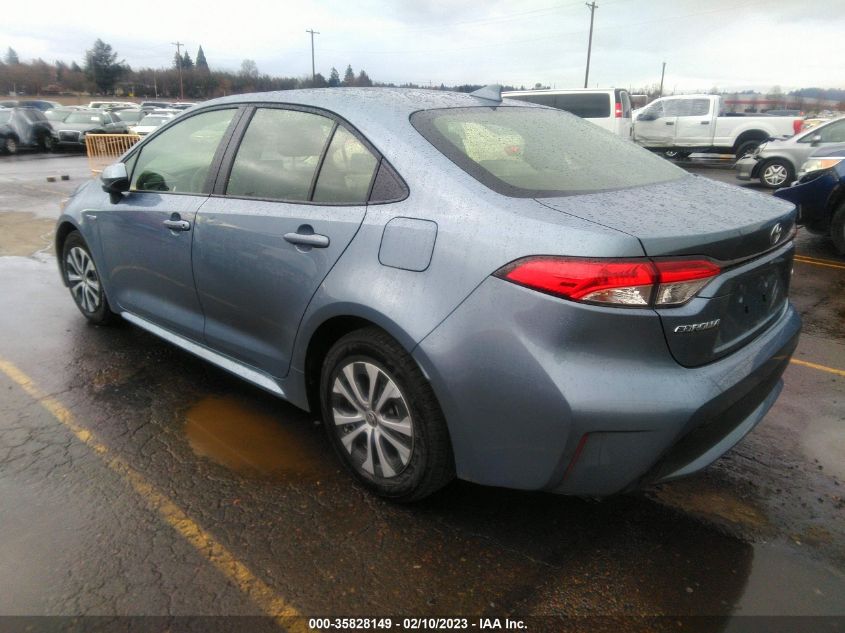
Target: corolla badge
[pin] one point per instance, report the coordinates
(698, 327)
(775, 235)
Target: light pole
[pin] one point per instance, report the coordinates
(313, 73)
(592, 6)
(179, 46)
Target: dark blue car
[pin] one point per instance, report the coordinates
(820, 194)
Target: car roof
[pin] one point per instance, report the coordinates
(381, 114)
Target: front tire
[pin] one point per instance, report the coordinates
(10, 145)
(83, 280)
(383, 419)
(776, 173)
(48, 144)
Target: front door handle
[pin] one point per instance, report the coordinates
(705, 122)
(307, 239)
(670, 123)
(177, 225)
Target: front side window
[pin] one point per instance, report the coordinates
(178, 160)
(831, 133)
(536, 152)
(279, 155)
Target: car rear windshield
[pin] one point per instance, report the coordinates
(538, 152)
(587, 105)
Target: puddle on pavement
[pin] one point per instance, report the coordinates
(256, 441)
(694, 497)
(24, 233)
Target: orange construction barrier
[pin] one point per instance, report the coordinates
(104, 149)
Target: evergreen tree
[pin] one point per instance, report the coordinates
(319, 81)
(102, 67)
(349, 76)
(12, 56)
(363, 79)
(202, 64)
(334, 78)
(177, 61)
(187, 62)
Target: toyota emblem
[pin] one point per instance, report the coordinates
(777, 231)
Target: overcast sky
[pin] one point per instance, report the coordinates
(732, 44)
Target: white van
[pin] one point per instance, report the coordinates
(610, 109)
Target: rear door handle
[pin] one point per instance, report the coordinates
(177, 225)
(704, 122)
(308, 239)
(670, 123)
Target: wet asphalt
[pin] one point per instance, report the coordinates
(761, 532)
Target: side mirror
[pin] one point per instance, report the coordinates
(816, 139)
(646, 116)
(115, 180)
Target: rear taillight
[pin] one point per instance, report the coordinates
(620, 282)
(618, 110)
(797, 125)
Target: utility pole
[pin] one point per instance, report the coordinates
(179, 46)
(662, 75)
(592, 6)
(313, 73)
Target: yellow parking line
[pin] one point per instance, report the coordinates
(204, 543)
(830, 370)
(819, 259)
(816, 262)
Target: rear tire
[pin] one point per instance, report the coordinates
(776, 173)
(83, 280)
(837, 229)
(674, 154)
(746, 147)
(10, 145)
(383, 419)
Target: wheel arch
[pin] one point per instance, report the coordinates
(65, 228)
(750, 135)
(325, 329)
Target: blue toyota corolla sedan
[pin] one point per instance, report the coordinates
(819, 193)
(457, 285)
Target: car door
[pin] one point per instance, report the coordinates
(146, 235)
(694, 124)
(655, 125)
(294, 196)
(817, 138)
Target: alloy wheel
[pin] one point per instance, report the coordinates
(775, 174)
(83, 279)
(372, 419)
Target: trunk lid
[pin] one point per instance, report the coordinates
(746, 233)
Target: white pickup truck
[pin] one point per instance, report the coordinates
(684, 124)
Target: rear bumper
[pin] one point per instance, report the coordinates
(541, 393)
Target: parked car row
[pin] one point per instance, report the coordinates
(28, 127)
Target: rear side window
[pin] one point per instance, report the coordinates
(587, 105)
(178, 160)
(347, 171)
(692, 107)
(535, 152)
(279, 155)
